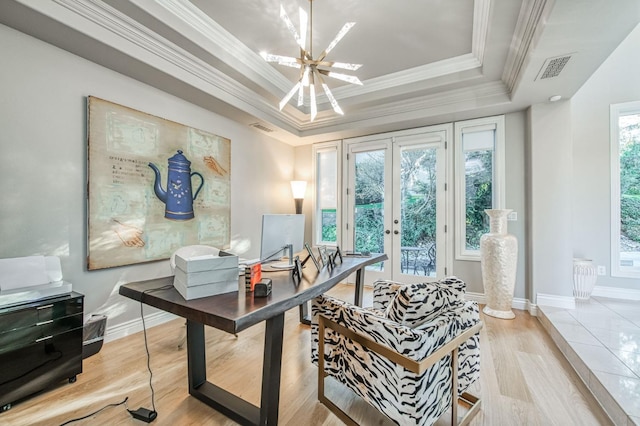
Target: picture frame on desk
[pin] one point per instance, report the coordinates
(337, 255)
(311, 256)
(324, 256)
(296, 272)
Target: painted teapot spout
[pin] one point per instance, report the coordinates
(157, 186)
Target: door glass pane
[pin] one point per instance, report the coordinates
(418, 211)
(369, 202)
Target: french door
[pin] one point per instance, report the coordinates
(395, 204)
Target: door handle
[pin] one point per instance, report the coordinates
(396, 232)
(387, 232)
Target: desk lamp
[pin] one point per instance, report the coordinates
(298, 188)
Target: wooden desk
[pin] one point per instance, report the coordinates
(234, 312)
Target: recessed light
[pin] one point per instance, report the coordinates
(555, 98)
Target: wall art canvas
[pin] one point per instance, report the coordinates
(154, 186)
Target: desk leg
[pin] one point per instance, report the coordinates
(359, 286)
(196, 358)
(305, 318)
(271, 370)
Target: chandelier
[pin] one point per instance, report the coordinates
(312, 70)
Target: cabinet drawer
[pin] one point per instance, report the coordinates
(39, 365)
(27, 315)
(14, 339)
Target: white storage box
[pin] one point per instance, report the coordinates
(205, 262)
(205, 290)
(206, 277)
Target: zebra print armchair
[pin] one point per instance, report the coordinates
(409, 356)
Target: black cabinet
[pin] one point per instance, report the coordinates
(40, 345)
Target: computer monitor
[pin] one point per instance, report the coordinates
(280, 231)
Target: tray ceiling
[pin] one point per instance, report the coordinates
(424, 62)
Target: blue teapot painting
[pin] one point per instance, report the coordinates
(178, 198)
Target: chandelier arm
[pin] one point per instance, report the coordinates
(287, 61)
(342, 65)
(284, 100)
(332, 99)
(300, 95)
(312, 96)
(303, 28)
(289, 25)
(345, 29)
(343, 77)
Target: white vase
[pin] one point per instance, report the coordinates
(498, 259)
(585, 275)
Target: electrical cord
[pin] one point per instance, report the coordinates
(142, 414)
(146, 346)
(96, 412)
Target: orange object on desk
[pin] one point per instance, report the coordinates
(252, 275)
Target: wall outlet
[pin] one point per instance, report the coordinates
(513, 216)
(602, 270)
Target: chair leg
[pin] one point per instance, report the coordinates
(321, 376)
(454, 387)
(474, 403)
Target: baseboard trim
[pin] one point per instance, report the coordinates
(516, 303)
(616, 293)
(133, 326)
(553, 300)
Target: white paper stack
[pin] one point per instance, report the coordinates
(205, 275)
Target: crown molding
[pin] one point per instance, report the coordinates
(136, 40)
(410, 76)
(530, 23)
(453, 101)
(481, 9)
(220, 42)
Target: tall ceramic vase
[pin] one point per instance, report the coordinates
(498, 258)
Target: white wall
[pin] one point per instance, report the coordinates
(616, 81)
(549, 199)
(43, 145)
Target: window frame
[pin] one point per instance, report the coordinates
(616, 111)
(317, 149)
(496, 123)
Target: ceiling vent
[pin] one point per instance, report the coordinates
(552, 67)
(261, 127)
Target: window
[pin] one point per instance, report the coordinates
(326, 220)
(625, 190)
(479, 177)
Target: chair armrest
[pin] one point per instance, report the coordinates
(415, 366)
(414, 344)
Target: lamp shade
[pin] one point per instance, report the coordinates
(298, 188)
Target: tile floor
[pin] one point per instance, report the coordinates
(601, 340)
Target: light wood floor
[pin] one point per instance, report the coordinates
(524, 380)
